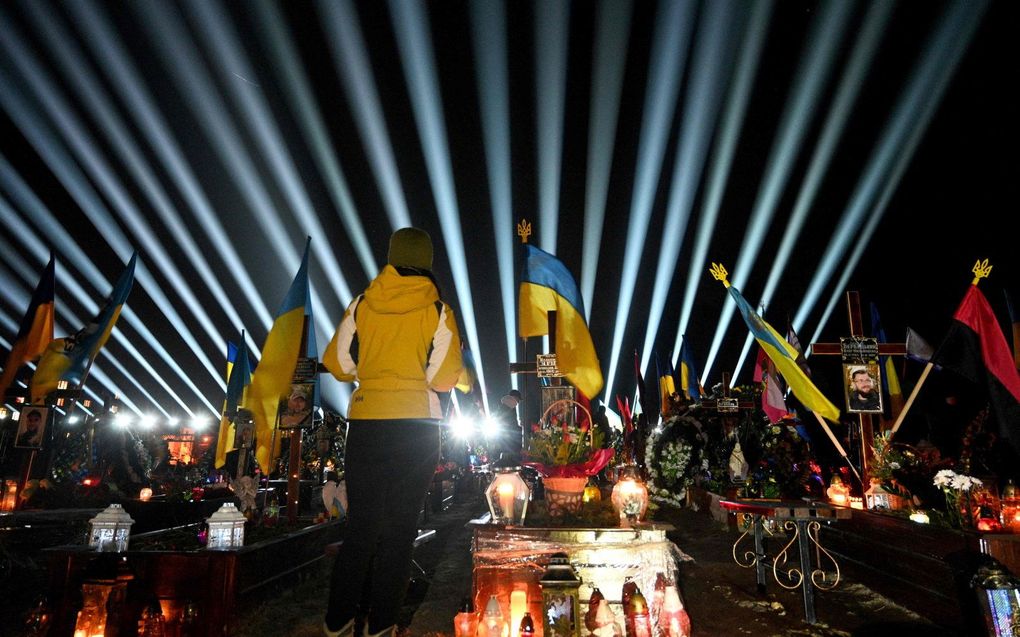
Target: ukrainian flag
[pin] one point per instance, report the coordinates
(689, 372)
(69, 358)
(36, 331)
(782, 354)
(546, 285)
(275, 371)
(236, 384)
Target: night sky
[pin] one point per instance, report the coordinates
(954, 204)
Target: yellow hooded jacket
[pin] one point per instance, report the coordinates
(400, 343)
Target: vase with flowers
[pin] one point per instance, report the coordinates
(566, 451)
(957, 490)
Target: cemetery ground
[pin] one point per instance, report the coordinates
(720, 596)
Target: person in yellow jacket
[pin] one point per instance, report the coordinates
(399, 342)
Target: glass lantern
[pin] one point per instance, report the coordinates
(226, 528)
(998, 594)
(1010, 510)
(508, 496)
(630, 496)
(9, 497)
(109, 530)
(91, 618)
(560, 598)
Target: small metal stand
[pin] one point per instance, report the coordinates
(802, 521)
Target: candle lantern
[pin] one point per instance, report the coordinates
(9, 495)
(639, 622)
(998, 594)
(560, 603)
(465, 623)
(673, 618)
(1010, 511)
(153, 623)
(839, 493)
(109, 530)
(493, 624)
(605, 621)
(592, 493)
(518, 607)
(920, 517)
(593, 609)
(508, 496)
(145, 494)
(878, 497)
(630, 496)
(226, 528)
(91, 619)
(527, 626)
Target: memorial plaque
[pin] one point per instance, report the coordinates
(305, 370)
(728, 405)
(547, 366)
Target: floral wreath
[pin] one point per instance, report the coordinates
(671, 453)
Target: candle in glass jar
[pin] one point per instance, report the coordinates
(506, 499)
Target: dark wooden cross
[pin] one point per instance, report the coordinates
(853, 304)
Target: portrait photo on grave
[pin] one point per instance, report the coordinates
(296, 407)
(31, 427)
(863, 388)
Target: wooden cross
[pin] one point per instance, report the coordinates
(853, 303)
(726, 406)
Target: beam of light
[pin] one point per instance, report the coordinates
(15, 292)
(88, 154)
(69, 249)
(489, 40)
(704, 92)
(299, 94)
(127, 82)
(668, 57)
(221, 38)
(552, 32)
(350, 57)
(131, 156)
(725, 144)
(910, 118)
(182, 59)
(609, 57)
(835, 122)
(416, 54)
(810, 79)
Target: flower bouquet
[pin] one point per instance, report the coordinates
(957, 490)
(565, 453)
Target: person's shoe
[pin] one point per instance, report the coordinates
(389, 631)
(347, 630)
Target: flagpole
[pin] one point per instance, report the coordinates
(839, 447)
(910, 401)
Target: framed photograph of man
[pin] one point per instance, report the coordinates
(296, 408)
(863, 388)
(32, 427)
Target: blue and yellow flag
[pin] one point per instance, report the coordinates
(275, 371)
(666, 385)
(69, 358)
(36, 331)
(237, 360)
(546, 285)
(689, 384)
(782, 354)
(890, 379)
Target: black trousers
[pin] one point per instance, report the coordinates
(388, 468)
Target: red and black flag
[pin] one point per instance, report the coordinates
(976, 349)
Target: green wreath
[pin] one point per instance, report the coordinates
(674, 453)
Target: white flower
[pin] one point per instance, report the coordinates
(944, 478)
(894, 465)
